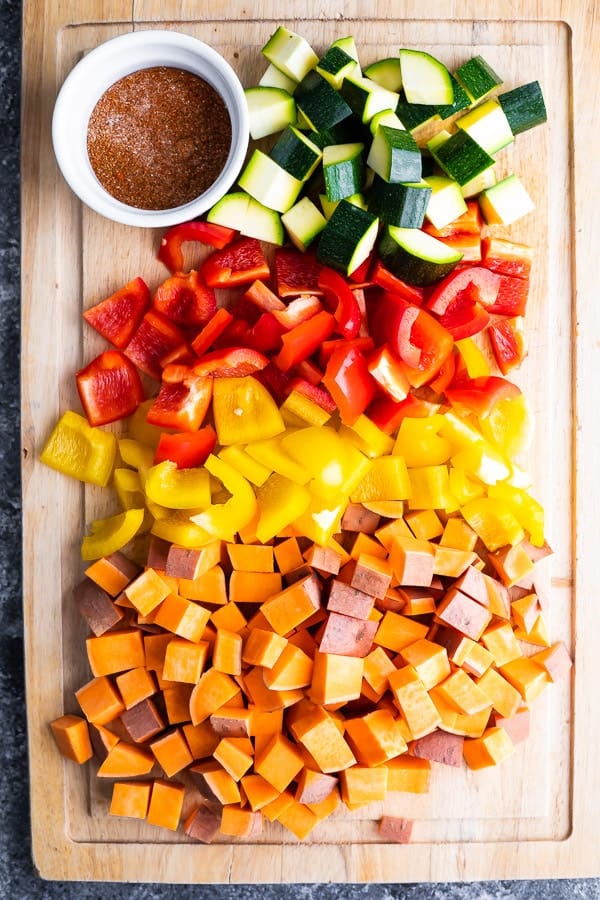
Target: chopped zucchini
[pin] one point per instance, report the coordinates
(343, 170)
(402, 205)
(328, 206)
(395, 155)
(348, 237)
(335, 65)
(487, 124)
(505, 202)
(267, 182)
(290, 53)
(438, 139)
(446, 202)
(296, 153)
(386, 72)
(322, 107)
(413, 115)
(478, 78)
(348, 45)
(303, 222)
(415, 256)
(269, 109)
(241, 211)
(524, 107)
(461, 157)
(478, 184)
(344, 132)
(272, 77)
(425, 79)
(385, 117)
(461, 101)
(366, 97)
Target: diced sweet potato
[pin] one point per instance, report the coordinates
(463, 614)
(358, 518)
(343, 598)
(113, 573)
(142, 721)
(368, 574)
(412, 561)
(72, 737)
(395, 829)
(440, 747)
(203, 824)
(346, 636)
(96, 607)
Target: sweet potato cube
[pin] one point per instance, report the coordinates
(395, 829)
(555, 661)
(210, 587)
(203, 824)
(291, 607)
(313, 787)
(126, 760)
(538, 633)
(172, 752)
(263, 648)
(182, 617)
(232, 721)
(377, 667)
(317, 732)
(135, 685)
(375, 737)
(397, 528)
(345, 599)
(458, 723)
(501, 642)
(491, 748)
(451, 563)
(72, 736)
(229, 616)
(517, 726)
(440, 747)
(253, 587)
(130, 799)
(486, 590)
(102, 740)
(227, 652)
(365, 544)
(258, 791)
(425, 524)
(214, 783)
(147, 591)
(288, 555)
(525, 610)
(458, 534)
(142, 721)
(292, 670)
(191, 563)
(166, 803)
(512, 563)
(409, 774)
(368, 574)
(278, 762)
(418, 602)
(324, 559)
(395, 631)
(185, 660)
(413, 701)
(100, 701)
(358, 518)
(176, 698)
(505, 698)
(527, 676)
(113, 573)
(336, 679)
(155, 648)
(461, 692)
(363, 784)
(96, 607)
(201, 739)
(215, 689)
(115, 651)
(298, 819)
(463, 614)
(412, 561)
(235, 760)
(347, 636)
(323, 808)
(430, 661)
(251, 557)
(477, 659)
(264, 698)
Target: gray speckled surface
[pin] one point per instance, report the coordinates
(18, 879)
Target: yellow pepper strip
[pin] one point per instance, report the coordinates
(387, 480)
(138, 455)
(464, 488)
(271, 454)
(367, 437)
(335, 465)
(508, 425)
(419, 442)
(178, 488)
(459, 430)
(244, 411)
(250, 468)
(280, 502)
(141, 430)
(473, 358)
(494, 521)
(109, 535)
(223, 520)
(175, 526)
(77, 449)
(321, 520)
(527, 510)
(128, 486)
(430, 488)
(482, 461)
(299, 411)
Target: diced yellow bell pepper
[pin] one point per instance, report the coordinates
(430, 488)
(280, 502)
(250, 468)
(175, 525)
(482, 461)
(140, 456)
(367, 437)
(244, 411)
(77, 449)
(464, 488)
(527, 510)
(110, 534)
(223, 520)
(128, 486)
(335, 465)
(178, 488)
(271, 454)
(473, 358)
(387, 479)
(508, 425)
(494, 521)
(459, 430)
(419, 441)
(298, 410)
(141, 430)
(321, 520)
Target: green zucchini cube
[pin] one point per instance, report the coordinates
(322, 107)
(413, 115)
(395, 155)
(335, 65)
(478, 78)
(343, 170)
(348, 237)
(296, 153)
(366, 97)
(524, 107)
(402, 205)
(290, 53)
(461, 101)
(461, 157)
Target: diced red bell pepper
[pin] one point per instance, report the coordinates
(240, 262)
(309, 371)
(512, 296)
(506, 257)
(186, 449)
(185, 299)
(211, 331)
(365, 344)
(181, 355)
(155, 337)
(387, 370)
(170, 252)
(361, 274)
(340, 300)
(315, 392)
(383, 278)
(469, 245)
(348, 380)
(276, 382)
(479, 395)
(445, 375)
(181, 404)
(387, 414)
(234, 335)
(296, 272)
(262, 295)
(298, 310)
(109, 388)
(482, 284)
(302, 341)
(231, 362)
(508, 343)
(265, 335)
(470, 222)
(117, 317)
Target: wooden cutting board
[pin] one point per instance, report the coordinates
(536, 815)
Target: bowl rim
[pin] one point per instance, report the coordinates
(103, 66)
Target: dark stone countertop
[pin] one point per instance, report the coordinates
(18, 879)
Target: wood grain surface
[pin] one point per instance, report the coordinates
(535, 816)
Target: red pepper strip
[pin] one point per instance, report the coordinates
(181, 355)
(154, 338)
(265, 335)
(508, 343)
(364, 344)
(359, 296)
(109, 388)
(445, 375)
(482, 284)
(309, 371)
(211, 331)
(170, 252)
(465, 315)
(341, 301)
(301, 342)
(186, 449)
(230, 362)
(263, 296)
(296, 273)
(388, 372)
(298, 310)
(479, 395)
(185, 299)
(241, 262)
(506, 257)
(182, 404)
(314, 392)
(387, 414)
(348, 380)
(389, 282)
(512, 296)
(276, 382)
(234, 335)
(469, 245)
(470, 222)
(117, 317)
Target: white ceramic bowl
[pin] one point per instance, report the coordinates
(105, 65)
